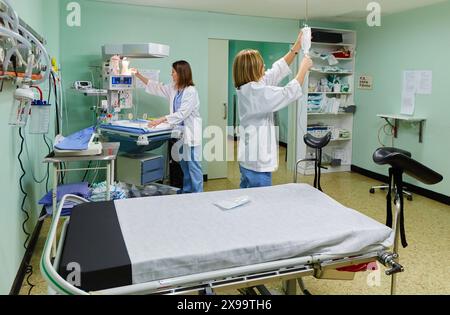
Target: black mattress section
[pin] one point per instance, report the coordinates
(94, 240)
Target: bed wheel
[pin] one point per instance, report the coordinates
(410, 198)
(372, 191)
(209, 291)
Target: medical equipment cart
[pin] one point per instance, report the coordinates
(109, 155)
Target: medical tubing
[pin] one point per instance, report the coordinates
(6, 32)
(96, 173)
(29, 273)
(43, 50)
(39, 90)
(60, 102)
(45, 138)
(25, 195)
(37, 181)
(48, 164)
(49, 89)
(87, 171)
(63, 103)
(14, 16)
(29, 268)
(64, 110)
(25, 44)
(9, 54)
(7, 18)
(56, 103)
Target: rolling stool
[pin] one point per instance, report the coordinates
(318, 144)
(408, 195)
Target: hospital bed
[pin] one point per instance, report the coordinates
(135, 137)
(185, 244)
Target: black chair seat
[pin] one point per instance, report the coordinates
(406, 164)
(317, 143)
(397, 150)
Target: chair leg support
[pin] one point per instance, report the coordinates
(319, 170)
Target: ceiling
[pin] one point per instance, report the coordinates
(331, 10)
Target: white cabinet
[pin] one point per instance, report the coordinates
(329, 103)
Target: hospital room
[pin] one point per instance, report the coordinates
(224, 147)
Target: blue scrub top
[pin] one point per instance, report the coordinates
(177, 102)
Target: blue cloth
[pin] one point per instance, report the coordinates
(177, 102)
(66, 210)
(79, 189)
(77, 141)
(133, 130)
(250, 179)
(192, 169)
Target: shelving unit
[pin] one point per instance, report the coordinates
(336, 93)
(338, 148)
(338, 59)
(331, 72)
(333, 44)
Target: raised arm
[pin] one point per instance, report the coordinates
(141, 77)
(280, 69)
(273, 98)
(154, 88)
(305, 66)
(293, 52)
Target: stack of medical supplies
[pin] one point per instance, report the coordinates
(98, 192)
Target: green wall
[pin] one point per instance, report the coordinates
(186, 32)
(414, 40)
(42, 15)
(271, 52)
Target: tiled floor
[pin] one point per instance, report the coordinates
(425, 259)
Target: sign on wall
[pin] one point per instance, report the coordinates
(365, 82)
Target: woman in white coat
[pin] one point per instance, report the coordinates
(184, 115)
(259, 96)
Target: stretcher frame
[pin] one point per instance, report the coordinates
(287, 270)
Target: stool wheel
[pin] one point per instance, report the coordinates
(410, 198)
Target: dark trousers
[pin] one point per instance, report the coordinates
(176, 173)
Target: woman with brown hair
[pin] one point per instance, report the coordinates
(184, 115)
(259, 96)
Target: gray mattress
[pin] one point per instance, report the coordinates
(172, 236)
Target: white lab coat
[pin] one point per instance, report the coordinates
(189, 112)
(257, 101)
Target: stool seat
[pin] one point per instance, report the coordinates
(397, 150)
(407, 165)
(317, 143)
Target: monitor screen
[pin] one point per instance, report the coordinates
(122, 80)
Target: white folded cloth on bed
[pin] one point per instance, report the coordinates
(230, 204)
